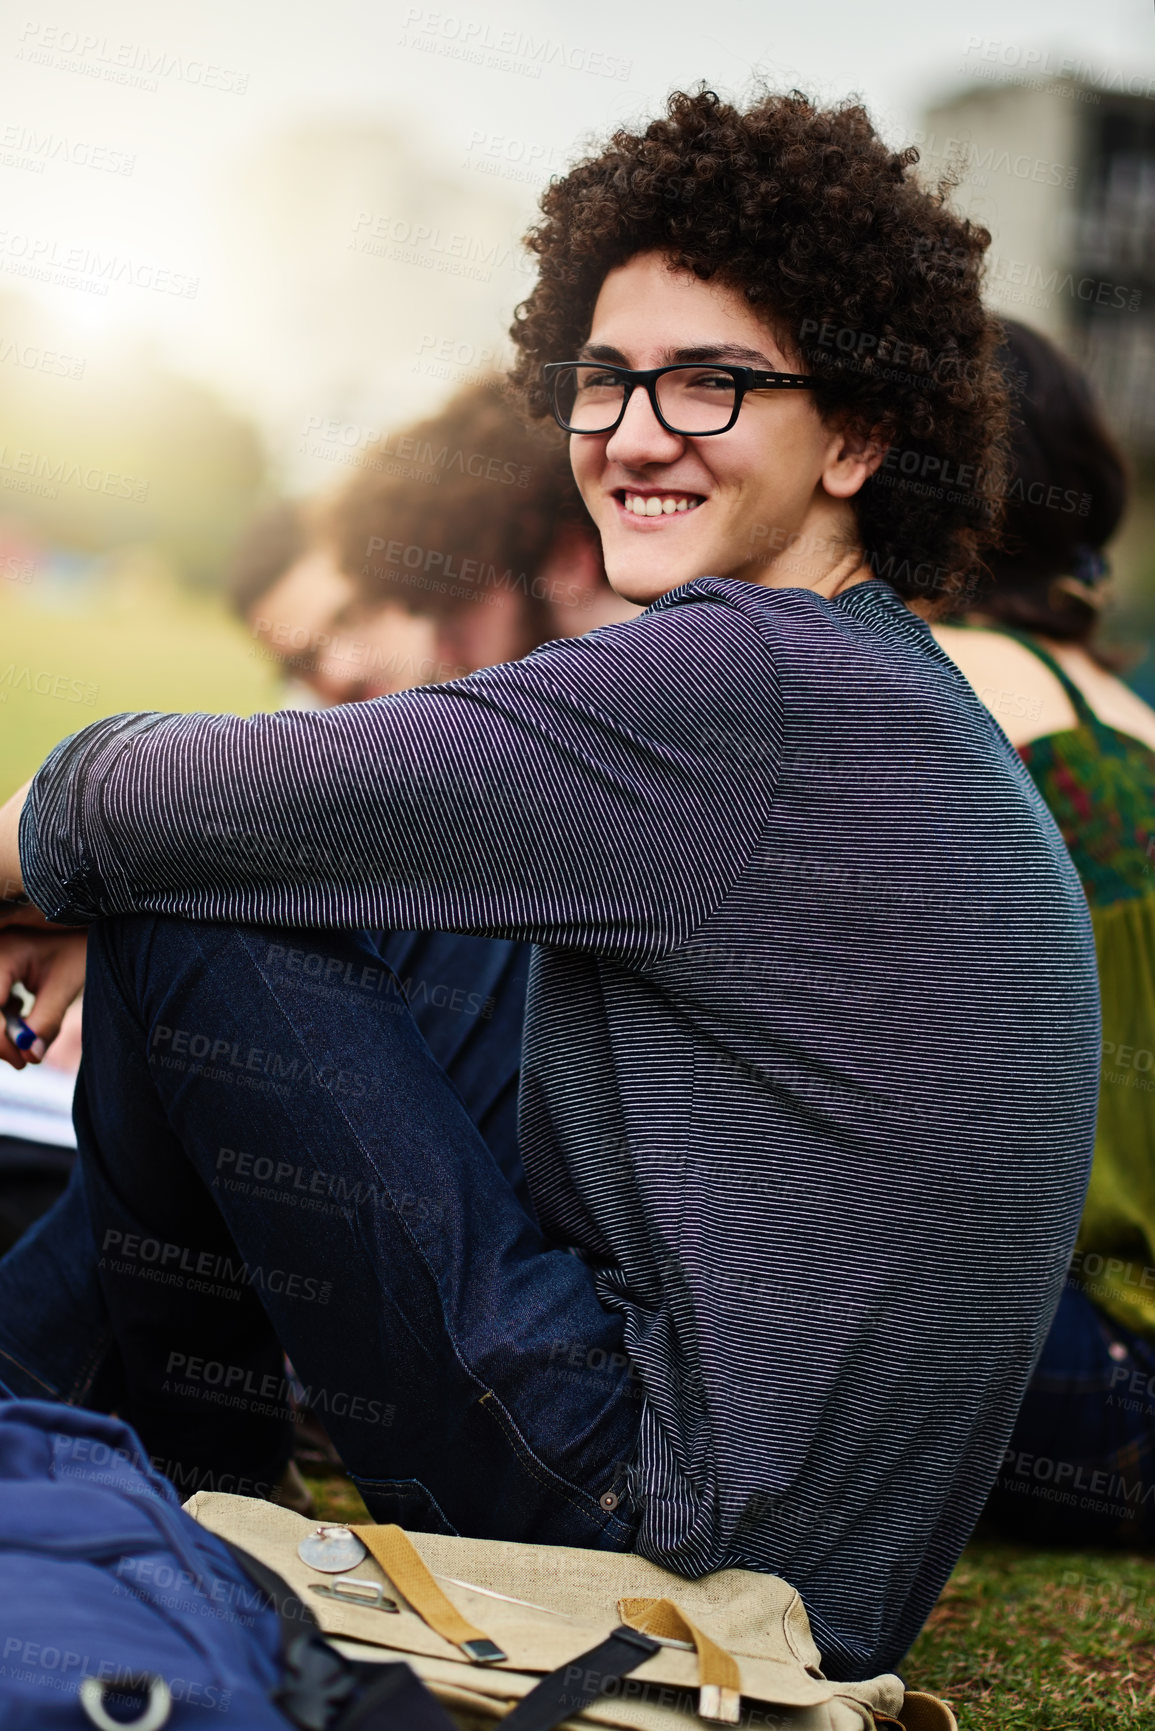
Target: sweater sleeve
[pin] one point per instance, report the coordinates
(599, 794)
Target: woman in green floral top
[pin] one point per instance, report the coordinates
(1080, 1466)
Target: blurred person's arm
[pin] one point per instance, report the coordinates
(589, 795)
(11, 880)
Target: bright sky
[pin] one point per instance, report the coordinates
(520, 81)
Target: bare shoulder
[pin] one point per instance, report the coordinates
(1112, 700)
(1021, 692)
(1026, 698)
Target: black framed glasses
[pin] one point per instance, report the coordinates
(692, 398)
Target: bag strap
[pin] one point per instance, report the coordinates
(394, 1697)
(401, 1561)
(316, 1682)
(719, 1679)
(321, 1690)
(571, 1688)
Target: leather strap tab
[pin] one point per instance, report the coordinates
(569, 1689)
(719, 1679)
(397, 1555)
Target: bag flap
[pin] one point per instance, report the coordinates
(751, 1614)
(756, 1617)
(489, 1693)
(746, 1612)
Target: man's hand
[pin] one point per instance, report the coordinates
(51, 965)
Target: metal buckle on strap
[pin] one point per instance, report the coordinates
(353, 1591)
(485, 1652)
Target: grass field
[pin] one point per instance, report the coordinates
(1026, 1640)
(132, 646)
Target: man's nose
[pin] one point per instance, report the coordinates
(640, 438)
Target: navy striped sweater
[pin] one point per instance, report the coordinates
(812, 1047)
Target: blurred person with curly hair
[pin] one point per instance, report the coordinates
(458, 542)
(812, 1026)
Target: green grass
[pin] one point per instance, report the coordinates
(338, 1499)
(1029, 1640)
(1021, 1639)
(137, 646)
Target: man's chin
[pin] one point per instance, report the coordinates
(643, 582)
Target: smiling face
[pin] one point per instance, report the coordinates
(768, 502)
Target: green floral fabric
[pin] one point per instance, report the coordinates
(1100, 786)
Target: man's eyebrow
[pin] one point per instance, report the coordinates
(705, 353)
(719, 352)
(601, 352)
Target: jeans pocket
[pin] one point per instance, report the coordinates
(406, 1503)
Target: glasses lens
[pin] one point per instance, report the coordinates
(696, 399)
(588, 399)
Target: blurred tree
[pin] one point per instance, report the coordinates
(111, 449)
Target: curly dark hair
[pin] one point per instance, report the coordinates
(1065, 499)
(872, 283)
(474, 489)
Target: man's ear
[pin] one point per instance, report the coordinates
(852, 457)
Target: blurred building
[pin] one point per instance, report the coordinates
(1063, 175)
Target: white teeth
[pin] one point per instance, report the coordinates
(657, 505)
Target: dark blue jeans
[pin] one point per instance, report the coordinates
(1080, 1465)
(272, 1155)
(55, 1336)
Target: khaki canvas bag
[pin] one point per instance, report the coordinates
(735, 1647)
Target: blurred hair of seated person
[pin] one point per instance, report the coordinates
(470, 548)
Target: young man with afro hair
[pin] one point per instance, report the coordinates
(811, 1046)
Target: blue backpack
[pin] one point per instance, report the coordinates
(117, 1609)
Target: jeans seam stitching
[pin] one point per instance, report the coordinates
(533, 1465)
(364, 1479)
(11, 1358)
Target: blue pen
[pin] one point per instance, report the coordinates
(20, 1034)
